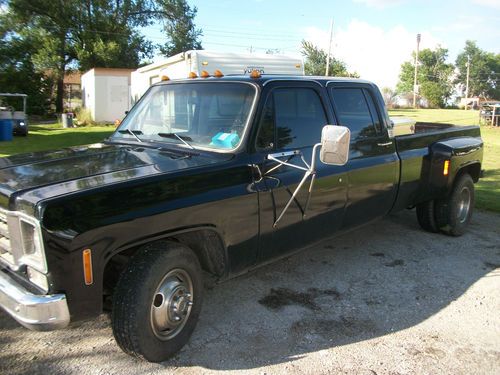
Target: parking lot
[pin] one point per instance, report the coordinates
(387, 298)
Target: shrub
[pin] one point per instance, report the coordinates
(84, 117)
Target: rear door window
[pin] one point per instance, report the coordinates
(355, 109)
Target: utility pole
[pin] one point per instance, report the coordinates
(329, 49)
(415, 87)
(467, 83)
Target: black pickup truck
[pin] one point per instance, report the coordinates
(210, 177)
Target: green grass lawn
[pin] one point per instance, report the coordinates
(51, 137)
(453, 116)
(488, 188)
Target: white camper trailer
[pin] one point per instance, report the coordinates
(180, 65)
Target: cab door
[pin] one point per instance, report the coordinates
(290, 125)
(373, 162)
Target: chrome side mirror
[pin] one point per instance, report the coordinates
(335, 141)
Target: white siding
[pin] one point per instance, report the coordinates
(107, 97)
(88, 91)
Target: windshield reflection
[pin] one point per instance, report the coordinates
(206, 115)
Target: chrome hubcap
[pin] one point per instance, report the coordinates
(464, 205)
(171, 306)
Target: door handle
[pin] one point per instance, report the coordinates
(384, 144)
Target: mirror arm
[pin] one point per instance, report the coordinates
(306, 176)
(311, 170)
(281, 162)
(313, 157)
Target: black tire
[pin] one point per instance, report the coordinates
(454, 213)
(426, 217)
(133, 315)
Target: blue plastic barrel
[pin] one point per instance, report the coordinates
(6, 125)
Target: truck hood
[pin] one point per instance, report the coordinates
(42, 175)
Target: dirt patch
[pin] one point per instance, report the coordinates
(395, 263)
(281, 297)
(377, 254)
(328, 328)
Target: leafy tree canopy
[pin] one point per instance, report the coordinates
(179, 26)
(484, 75)
(434, 76)
(83, 34)
(18, 73)
(315, 62)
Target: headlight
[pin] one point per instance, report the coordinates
(32, 245)
(26, 245)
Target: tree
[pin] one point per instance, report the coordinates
(18, 73)
(315, 63)
(178, 19)
(484, 71)
(390, 96)
(81, 34)
(78, 34)
(434, 76)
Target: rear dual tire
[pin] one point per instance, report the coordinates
(450, 215)
(454, 213)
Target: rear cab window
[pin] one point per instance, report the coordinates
(355, 109)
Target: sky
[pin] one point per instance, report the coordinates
(373, 37)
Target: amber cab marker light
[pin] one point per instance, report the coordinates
(192, 75)
(87, 267)
(218, 74)
(446, 168)
(165, 78)
(204, 74)
(255, 74)
(204, 63)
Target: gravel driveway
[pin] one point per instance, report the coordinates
(385, 299)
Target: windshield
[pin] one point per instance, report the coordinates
(208, 115)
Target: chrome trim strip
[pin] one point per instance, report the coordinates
(291, 80)
(36, 312)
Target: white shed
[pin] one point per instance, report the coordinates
(180, 65)
(106, 93)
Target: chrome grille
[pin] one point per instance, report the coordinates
(5, 247)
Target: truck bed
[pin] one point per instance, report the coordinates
(425, 127)
(414, 149)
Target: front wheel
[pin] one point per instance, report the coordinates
(454, 213)
(157, 301)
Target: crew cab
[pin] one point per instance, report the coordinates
(210, 177)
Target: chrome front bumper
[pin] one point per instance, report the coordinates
(39, 313)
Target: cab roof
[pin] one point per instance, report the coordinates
(271, 77)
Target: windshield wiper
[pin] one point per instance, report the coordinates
(183, 138)
(131, 132)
